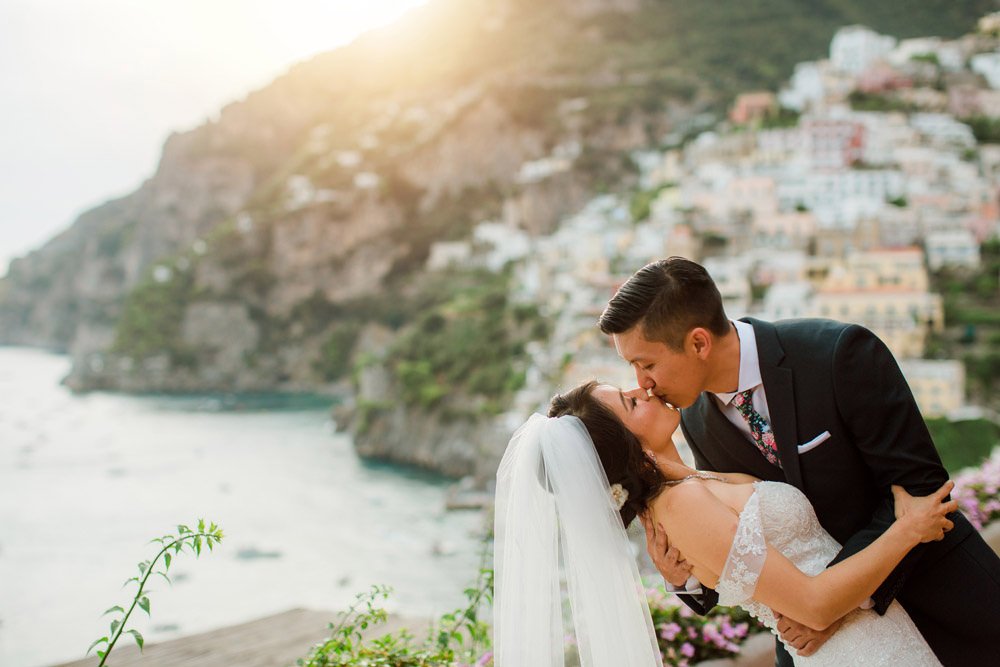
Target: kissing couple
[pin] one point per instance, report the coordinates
(819, 504)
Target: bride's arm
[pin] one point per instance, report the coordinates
(703, 529)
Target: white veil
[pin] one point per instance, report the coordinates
(550, 484)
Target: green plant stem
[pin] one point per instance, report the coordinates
(142, 584)
(350, 611)
(473, 604)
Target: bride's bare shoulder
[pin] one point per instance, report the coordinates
(680, 499)
(697, 522)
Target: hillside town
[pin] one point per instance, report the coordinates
(834, 197)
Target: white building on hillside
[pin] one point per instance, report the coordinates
(952, 248)
(787, 301)
(937, 385)
(855, 47)
(805, 89)
(732, 277)
(943, 130)
(841, 198)
(987, 64)
(948, 54)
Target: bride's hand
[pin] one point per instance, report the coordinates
(925, 516)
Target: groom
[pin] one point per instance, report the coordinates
(821, 405)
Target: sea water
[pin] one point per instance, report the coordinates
(87, 480)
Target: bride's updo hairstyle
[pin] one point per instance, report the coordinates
(621, 455)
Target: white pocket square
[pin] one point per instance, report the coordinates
(815, 442)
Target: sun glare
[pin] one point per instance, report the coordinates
(340, 22)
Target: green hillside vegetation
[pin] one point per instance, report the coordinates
(150, 323)
(728, 47)
(963, 444)
(972, 320)
(628, 66)
(468, 346)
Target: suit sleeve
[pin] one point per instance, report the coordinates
(879, 411)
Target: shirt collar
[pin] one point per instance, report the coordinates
(749, 362)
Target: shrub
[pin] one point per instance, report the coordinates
(963, 443)
(978, 492)
(985, 128)
(469, 343)
(458, 638)
(151, 318)
(686, 638)
(335, 355)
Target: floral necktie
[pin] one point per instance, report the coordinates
(763, 437)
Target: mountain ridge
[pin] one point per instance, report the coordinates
(258, 253)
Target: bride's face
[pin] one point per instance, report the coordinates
(652, 422)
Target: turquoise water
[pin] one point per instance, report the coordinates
(86, 481)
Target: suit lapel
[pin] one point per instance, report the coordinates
(728, 445)
(780, 391)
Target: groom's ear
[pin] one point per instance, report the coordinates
(699, 341)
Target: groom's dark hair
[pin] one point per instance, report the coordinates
(667, 298)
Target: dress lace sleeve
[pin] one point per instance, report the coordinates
(746, 558)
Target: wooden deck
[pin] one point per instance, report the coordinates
(272, 641)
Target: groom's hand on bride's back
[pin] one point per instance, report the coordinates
(667, 559)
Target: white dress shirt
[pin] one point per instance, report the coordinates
(749, 379)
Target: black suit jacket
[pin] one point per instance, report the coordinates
(821, 375)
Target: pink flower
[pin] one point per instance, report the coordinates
(692, 633)
(687, 650)
(669, 631)
(484, 659)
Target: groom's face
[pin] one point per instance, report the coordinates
(675, 376)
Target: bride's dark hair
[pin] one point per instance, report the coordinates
(621, 455)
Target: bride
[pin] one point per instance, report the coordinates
(572, 482)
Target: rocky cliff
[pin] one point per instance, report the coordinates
(285, 245)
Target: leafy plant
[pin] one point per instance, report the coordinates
(186, 538)
(458, 638)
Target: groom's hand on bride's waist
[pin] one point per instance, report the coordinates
(804, 639)
(668, 560)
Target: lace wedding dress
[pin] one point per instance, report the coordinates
(781, 516)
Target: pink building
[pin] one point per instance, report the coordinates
(750, 107)
(881, 77)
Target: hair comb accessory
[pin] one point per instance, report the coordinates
(618, 495)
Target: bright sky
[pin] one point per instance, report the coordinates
(91, 88)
